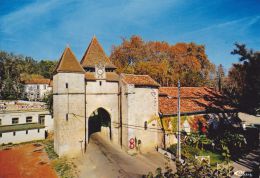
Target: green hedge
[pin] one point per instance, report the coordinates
(20, 127)
(187, 151)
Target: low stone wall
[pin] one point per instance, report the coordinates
(21, 136)
(166, 153)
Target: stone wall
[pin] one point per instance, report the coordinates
(140, 105)
(69, 113)
(104, 95)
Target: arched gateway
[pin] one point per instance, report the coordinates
(100, 121)
(91, 97)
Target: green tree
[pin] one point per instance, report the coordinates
(14, 69)
(46, 68)
(246, 78)
(49, 102)
(220, 76)
(11, 87)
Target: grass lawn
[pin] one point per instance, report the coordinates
(214, 157)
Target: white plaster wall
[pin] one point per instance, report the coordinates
(48, 123)
(7, 117)
(21, 136)
(32, 88)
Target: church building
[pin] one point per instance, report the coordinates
(89, 96)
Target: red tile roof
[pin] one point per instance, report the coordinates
(37, 81)
(190, 92)
(95, 55)
(139, 80)
(193, 100)
(69, 63)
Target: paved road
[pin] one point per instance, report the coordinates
(104, 160)
(249, 162)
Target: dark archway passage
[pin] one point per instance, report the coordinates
(99, 119)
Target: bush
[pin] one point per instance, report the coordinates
(231, 143)
(187, 151)
(192, 168)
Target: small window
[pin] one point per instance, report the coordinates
(41, 119)
(67, 117)
(28, 119)
(0, 121)
(100, 83)
(0, 135)
(38, 87)
(13, 133)
(67, 85)
(45, 86)
(145, 125)
(38, 130)
(26, 131)
(15, 120)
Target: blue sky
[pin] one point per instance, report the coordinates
(41, 29)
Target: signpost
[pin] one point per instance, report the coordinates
(179, 124)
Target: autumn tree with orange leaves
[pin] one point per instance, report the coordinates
(164, 62)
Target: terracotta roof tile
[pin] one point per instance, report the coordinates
(110, 76)
(37, 81)
(189, 92)
(68, 63)
(90, 76)
(139, 80)
(193, 99)
(95, 55)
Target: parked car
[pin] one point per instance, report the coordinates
(257, 112)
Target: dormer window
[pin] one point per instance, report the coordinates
(90, 69)
(109, 70)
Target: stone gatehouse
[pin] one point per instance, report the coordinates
(89, 96)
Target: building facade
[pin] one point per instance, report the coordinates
(201, 108)
(37, 89)
(22, 121)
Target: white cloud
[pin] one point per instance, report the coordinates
(240, 24)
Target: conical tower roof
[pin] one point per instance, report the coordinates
(95, 55)
(68, 63)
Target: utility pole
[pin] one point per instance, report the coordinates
(179, 123)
